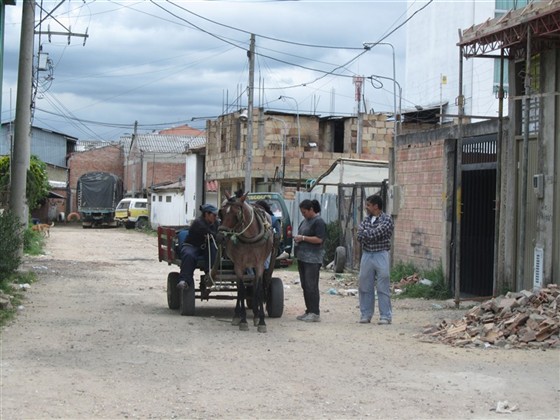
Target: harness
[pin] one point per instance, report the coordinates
(238, 236)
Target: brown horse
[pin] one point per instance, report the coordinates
(248, 243)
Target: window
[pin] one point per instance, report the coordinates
(168, 199)
(497, 67)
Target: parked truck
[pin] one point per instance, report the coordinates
(98, 194)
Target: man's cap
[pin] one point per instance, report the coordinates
(208, 208)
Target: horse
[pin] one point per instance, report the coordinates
(248, 241)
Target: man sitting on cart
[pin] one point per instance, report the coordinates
(199, 243)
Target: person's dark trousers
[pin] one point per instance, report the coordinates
(189, 257)
(309, 278)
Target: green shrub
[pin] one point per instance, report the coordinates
(334, 232)
(10, 232)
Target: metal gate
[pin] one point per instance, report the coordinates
(478, 215)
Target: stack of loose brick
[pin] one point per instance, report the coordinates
(405, 281)
(520, 320)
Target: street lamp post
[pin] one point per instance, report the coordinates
(376, 76)
(368, 46)
(298, 135)
(285, 131)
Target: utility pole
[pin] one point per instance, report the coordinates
(133, 151)
(22, 130)
(249, 166)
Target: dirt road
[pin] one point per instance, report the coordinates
(95, 339)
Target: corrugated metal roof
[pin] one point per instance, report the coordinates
(157, 143)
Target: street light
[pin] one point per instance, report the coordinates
(283, 163)
(376, 76)
(368, 46)
(298, 135)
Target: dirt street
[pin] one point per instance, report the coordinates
(95, 339)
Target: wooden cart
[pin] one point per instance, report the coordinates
(222, 285)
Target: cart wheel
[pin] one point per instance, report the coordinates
(173, 294)
(187, 301)
(275, 303)
(339, 259)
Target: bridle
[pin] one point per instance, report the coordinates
(237, 232)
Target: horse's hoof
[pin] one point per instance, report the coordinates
(261, 328)
(243, 326)
(235, 321)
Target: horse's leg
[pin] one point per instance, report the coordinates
(241, 302)
(237, 312)
(255, 303)
(259, 300)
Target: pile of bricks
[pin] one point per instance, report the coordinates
(517, 320)
(405, 281)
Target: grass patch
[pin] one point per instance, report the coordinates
(437, 290)
(33, 242)
(10, 286)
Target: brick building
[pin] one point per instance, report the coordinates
(285, 157)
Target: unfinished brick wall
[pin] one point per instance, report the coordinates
(419, 222)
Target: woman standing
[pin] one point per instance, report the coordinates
(309, 253)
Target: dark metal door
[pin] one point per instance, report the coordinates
(478, 215)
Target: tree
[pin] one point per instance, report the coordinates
(37, 182)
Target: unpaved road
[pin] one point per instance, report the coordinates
(95, 339)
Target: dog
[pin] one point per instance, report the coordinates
(44, 228)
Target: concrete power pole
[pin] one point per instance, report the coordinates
(22, 130)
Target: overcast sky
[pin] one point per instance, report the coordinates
(165, 63)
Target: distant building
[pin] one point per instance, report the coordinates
(183, 130)
(53, 148)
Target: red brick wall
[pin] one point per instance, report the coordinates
(159, 172)
(104, 159)
(419, 223)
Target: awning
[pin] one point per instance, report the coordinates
(349, 172)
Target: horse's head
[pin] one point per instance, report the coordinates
(232, 212)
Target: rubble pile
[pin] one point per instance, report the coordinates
(405, 281)
(517, 320)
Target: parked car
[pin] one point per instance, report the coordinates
(280, 210)
(133, 213)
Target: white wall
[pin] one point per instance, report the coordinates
(194, 178)
(432, 37)
(167, 213)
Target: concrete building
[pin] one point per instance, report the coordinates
(482, 199)
(432, 59)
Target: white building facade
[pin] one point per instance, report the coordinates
(432, 57)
